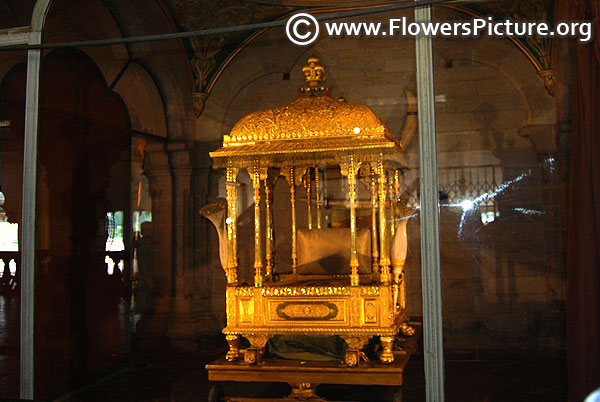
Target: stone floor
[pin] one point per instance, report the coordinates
(180, 377)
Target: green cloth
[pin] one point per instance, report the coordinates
(309, 348)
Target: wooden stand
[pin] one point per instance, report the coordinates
(304, 376)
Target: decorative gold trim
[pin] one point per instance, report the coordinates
(304, 328)
(307, 310)
(369, 290)
(317, 151)
(244, 291)
(306, 291)
(318, 195)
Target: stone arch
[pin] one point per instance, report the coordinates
(128, 78)
(39, 11)
(519, 62)
(70, 22)
(9, 62)
(38, 18)
(143, 100)
(253, 79)
(83, 150)
(502, 55)
(165, 61)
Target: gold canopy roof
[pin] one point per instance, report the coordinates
(314, 127)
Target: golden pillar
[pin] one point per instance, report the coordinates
(318, 196)
(308, 198)
(392, 205)
(292, 182)
(231, 222)
(270, 239)
(384, 259)
(352, 171)
(258, 276)
(374, 227)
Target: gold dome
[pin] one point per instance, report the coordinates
(312, 124)
(307, 118)
(314, 115)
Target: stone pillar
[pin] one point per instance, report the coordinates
(204, 268)
(155, 321)
(182, 326)
(189, 319)
(192, 316)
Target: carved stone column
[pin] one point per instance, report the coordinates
(183, 325)
(154, 323)
(189, 319)
(202, 192)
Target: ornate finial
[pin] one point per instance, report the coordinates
(314, 73)
(548, 77)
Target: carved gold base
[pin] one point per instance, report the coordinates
(352, 357)
(303, 391)
(355, 346)
(234, 347)
(253, 355)
(406, 329)
(303, 376)
(387, 356)
(355, 313)
(256, 350)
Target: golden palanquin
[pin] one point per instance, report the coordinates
(344, 281)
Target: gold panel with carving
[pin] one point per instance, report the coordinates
(307, 312)
(246, 310)
(370, 311)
